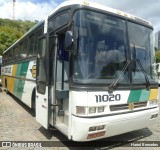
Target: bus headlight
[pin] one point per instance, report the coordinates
(96, 128)
(92, 128)
(153, 102)
(100, 127)
(80, 110)
(100, 109)
(92, 110)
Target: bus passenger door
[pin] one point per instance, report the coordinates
(42, 104)
(62, 86)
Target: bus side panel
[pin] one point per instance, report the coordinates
(11, 83)
(20, 80)
(7, 80)
(27, 93)
(29, 84)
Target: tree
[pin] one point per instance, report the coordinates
(11, 31)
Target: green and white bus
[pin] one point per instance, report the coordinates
(87, 71)
(157, 70)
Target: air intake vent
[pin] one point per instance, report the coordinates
(126, 106)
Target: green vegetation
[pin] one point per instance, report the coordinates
(11, 31)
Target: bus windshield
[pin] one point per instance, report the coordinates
(102, 49)
(141, 47)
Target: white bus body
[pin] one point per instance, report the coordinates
(87, 71)
(157, 69)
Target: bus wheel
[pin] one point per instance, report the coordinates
(6, 87)
(33, 102)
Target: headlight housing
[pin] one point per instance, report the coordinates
(100, 109)
(92, 110)
(80, 110)
(153, 102)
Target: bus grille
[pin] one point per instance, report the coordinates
(126, 106)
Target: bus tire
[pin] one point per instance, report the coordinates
(6, 87)
(33, 101)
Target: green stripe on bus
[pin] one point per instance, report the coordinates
(144, 95)
(134, 96)
(18, 71)
(24, 69)
(16, 84)
(19, 83)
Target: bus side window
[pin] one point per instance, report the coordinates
(58, 21)
(32, 45)
(20, 51)
(24, 48)
(41, 66)
(4, 59)
(11, 55)
(62, 66)
(37, 34)
(8, 57)
(51, 57)
(15, 53)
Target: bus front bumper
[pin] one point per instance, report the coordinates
(93, 128)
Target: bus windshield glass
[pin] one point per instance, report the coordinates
(141, 47)
(102, 49)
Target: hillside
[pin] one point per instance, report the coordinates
(12, 30)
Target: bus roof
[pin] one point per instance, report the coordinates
(101, 7)
(88, 4)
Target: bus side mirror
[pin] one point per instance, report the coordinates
(68, 41)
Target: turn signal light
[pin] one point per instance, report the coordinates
(95, 135)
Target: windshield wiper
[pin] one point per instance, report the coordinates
(145, 75)
(141, 67)
(112, 85)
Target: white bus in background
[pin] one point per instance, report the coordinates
(87, 70)
(157, 68)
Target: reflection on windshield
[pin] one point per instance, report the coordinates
(106, 58)
(101, 49)
(141, 48)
